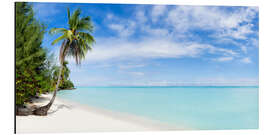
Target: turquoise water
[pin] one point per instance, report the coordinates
(194, 107)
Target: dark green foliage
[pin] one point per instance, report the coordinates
(33, 75)
(65, 83)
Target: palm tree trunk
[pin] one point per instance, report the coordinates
(44, 109)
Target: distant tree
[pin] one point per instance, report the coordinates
(32, 73)
(76, 42)
(65, 83)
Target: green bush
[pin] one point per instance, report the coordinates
(32, 73)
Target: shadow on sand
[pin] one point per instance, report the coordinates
(57, 108)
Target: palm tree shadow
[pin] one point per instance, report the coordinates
(58, 107)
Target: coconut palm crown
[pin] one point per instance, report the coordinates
(76, 42)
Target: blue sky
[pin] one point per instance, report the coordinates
(162, 45)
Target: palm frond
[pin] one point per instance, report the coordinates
(68, 13)
(85, 24)
(77, 39)
(57, 30)
(74, 19)
(87, 37)
(64, 36)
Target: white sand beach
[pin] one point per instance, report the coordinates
(66, 116)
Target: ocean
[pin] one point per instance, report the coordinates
(196, 107)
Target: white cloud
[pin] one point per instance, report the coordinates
(244, 49)
(236, 24)
(45, 10)
(140, 16)
(213, 82)
(159, 43)
(238, 33)
(160, 32)
(123, 30)
(178, 21)
(150, 49)
(254, 42)
(226, 52)
(222, 59)
(116, 27)
(246, 60)
(136, 73)
(110, 16)
(129, 66)
(157, 11)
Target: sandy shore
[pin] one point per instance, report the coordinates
(67, 116)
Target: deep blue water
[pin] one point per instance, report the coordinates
(212, 107)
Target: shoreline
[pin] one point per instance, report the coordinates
(71, 116)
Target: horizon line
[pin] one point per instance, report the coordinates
(168, 86)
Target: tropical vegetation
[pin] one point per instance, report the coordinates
(65, 82)
(36, 71)
(32, 72)
(76, 42)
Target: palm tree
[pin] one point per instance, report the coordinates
(76, 42)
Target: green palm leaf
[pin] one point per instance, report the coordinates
(64, 36)
(77, 40)
(57, 30)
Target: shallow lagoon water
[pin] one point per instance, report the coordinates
(212, 107)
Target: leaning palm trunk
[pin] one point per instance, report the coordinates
(77, 42)
(44, 109)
